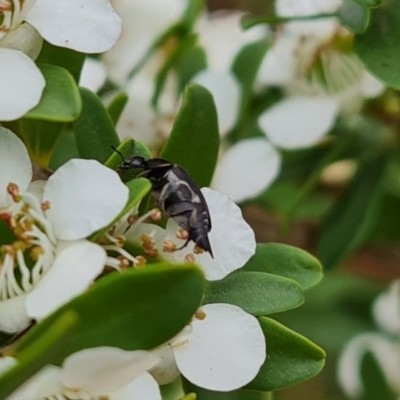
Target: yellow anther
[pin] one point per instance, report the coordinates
(200, 315)
(198, 250)
(169, 246)
(155, 214)
(189, 258)
(13, 190)
(45, 205)
(182, 234)
(36, 252)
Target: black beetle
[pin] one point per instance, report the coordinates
(177, 195)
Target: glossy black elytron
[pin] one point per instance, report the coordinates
(177, 195)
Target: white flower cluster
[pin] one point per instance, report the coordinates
(222, 348)
(320, 82)
(23, 26)
(385, 346)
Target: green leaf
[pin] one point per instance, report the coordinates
(138, 188)
(379, 47)
(354, 16)
(36, 356)
(352, 220)
(94, 129)
(241, 394)
(69, 59)
(173, 58)
(65, 149)
(128, 148)
(374, 381)
(292, 358)
(192, 61)
(61, 100)
(194, 140)
(40, 138)
(288, 261)
(257, 293)
(116, 106)
(245, 68)
(369, 3)
(136, 309)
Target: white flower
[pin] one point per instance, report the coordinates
(143, 22)
(386, 309)
(299, 121)
(93, 75)
(231, 238)
(386, 353)
(80, 198)
(320, 78)
(89, 26)
(226, 93)
(384, 346)
(95, 373)
(246, 169)
(222, 349)
(222, 37)
(139, 119)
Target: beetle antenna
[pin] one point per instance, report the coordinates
(118, 152)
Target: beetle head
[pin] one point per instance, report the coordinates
(133, 162)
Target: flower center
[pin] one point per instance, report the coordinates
(12, 13)
(29, 250)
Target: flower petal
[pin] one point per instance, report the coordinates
(143, 387)
(279, 64)
(299, 121)
(232, 240)
(143, 22)
(370, 86)
(226, 92)
(166, 370)
(74, 269)
(246, 169)
(7, 363)
(14, 162)
(45, 383)
(26, 39)
(386, 309)
(221, 36)
(13, 315)
(224, 351)
(93, 74)
(84, 197)
(103, 370)
(322, 28)
(19, 74)
(349, 364)
(88, 26)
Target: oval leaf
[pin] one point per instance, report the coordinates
(137, 309)
(292, 358)
(61, 100)
(35, 357)
(41, 139)
(241, 394)
(354, 16)
(194, 140)
(257, 293)
(116, 106)
(351, 221)
(288, 261)
(69, 59)
(379, 47)
(94, 129)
